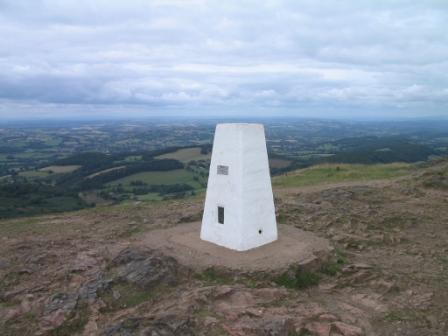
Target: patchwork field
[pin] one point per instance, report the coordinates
(165, 177)
(186, 155)
(60, 169)
(43, 172)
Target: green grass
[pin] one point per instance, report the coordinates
(164, 177)
(331, 268)
(393, 316)
(282, 217)
(212, 276)
(334, 264)
(436, 179)
(185, 155)
(333, 173)
(300, 279)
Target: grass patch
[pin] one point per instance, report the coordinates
(202, 312)
(436, 180)
(130, 231)
(299, 279)
(281, 217)
(393, 317)
(334, 265)
(8, 227)
(250, 283)
(212, 276)
(333, 173)
(185, 155)
(331, 268)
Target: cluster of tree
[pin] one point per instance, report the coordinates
(205, 149)
(11, 149)
(155, 165)
(89, 160)
(5, 170)
(37, 145)
(59, 192)
(94, 162)
(370, 150)
(199, 168)
(20, 197)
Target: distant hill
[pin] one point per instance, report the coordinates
(370, 150)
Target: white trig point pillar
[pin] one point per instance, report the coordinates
(239, 208)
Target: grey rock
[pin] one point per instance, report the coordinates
(127, 327)
(277, 327)
(62, 301)
(145, 269)
(90, 289)
(166, 326)
(4, 264)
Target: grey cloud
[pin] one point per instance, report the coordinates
(157, 57)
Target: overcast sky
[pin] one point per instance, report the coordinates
(96, 58)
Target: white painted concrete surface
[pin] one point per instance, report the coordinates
(245, 192)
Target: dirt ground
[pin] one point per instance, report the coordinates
(293, 247)
(97, 272)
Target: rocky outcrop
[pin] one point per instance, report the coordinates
(145, 268)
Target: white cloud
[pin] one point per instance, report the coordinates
(224, 55)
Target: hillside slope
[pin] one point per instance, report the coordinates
(85, 273)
